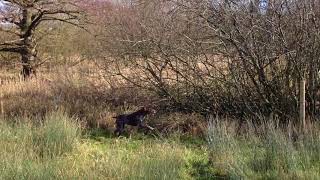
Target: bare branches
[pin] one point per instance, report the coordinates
(10, 43)
(238, 56)
(10, 49)
(63, 11)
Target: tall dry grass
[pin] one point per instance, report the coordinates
(83, 93)
(75, 91)
(267, 151)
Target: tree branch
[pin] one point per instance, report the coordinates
(10, 49)
(11, 43)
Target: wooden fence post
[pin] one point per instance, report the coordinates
(1, 102)
(302, 103)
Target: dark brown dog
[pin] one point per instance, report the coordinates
(133, 119)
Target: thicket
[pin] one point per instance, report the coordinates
(237, 58)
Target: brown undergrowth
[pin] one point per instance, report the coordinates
(83, 94)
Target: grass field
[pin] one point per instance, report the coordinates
(58, 148)
(60, 129)
(264, 152)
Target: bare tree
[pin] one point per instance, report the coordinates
(21, 18)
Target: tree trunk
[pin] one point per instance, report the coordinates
(26, 59)
(28, 51)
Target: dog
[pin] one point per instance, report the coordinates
(133, 119)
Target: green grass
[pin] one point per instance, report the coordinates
(129, 159)
(265, 153)
(30, 151)
(56, 149)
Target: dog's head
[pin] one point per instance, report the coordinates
(149, 110)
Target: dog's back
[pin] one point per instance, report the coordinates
(122, 118)
(133, 119)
